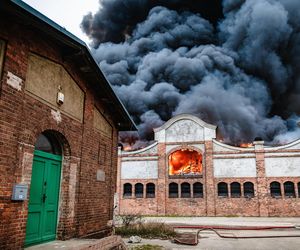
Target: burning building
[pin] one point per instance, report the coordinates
(186, 171)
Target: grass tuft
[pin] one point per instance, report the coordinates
(146, 247)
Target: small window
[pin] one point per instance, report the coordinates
(197, 190)
(127, 190)
(248, 189)
(298, 189)
(275, 189)
(235, 190)
(185, 190)
(150, 190)
(289, 189)
(139, 190)
(222, 189)
(173, 190)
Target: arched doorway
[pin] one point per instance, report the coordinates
(44, 190)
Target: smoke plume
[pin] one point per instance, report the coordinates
(233, 63)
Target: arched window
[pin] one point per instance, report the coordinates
(197, 190)
(235, 190)
(47, 142)
(173, 190)
(248, 189)
(150, 190)
(275, 189)
(127, 190)
(185, 190)
(298, 189)
(289, 189)
(139, 190)
(222, 189)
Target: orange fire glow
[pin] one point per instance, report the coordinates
(185, 162)
(246, 145)
(127, 148)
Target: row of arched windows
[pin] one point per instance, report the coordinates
(185, 190)
(235, 189)
(139, 190)
(288, 189)
(197, 190)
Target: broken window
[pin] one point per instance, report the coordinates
(173, 190)
(222, 189)
(197, 190)
(127, 190)
(275, 189)
(150, 190)
(289, 189)
(139, 190)
(235, 190)
(248, 189)
(185, 190)
(185, 162)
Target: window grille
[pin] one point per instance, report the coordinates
(150, 190)
(248, 189)
(235, 190)
(275, 189)
(173, 190)
(197, 190)
(222, 189)
(185, 190)
(289, 189)
(127, 190)
(139, 190)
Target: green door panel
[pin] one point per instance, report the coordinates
(43, 200)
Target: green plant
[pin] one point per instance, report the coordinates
(146, 247)
(128, 219)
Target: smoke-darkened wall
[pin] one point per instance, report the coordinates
(233, 63)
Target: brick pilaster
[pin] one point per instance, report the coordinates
(209, 180)
(262, 188)
(161, 182)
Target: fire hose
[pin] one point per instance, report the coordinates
(194, 241)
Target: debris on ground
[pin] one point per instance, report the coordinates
(134, 239)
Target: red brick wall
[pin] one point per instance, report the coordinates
(86, 204)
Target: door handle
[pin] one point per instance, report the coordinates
(44, 198)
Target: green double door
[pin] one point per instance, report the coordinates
(43, 200)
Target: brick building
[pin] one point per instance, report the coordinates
(59, 120)
(188, 172)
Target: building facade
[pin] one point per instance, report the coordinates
(188, 172)
(59, 120)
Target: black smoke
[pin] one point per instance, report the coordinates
(233, 63)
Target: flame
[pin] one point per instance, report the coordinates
(185, 161)
(246, 145)
(127, 148)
